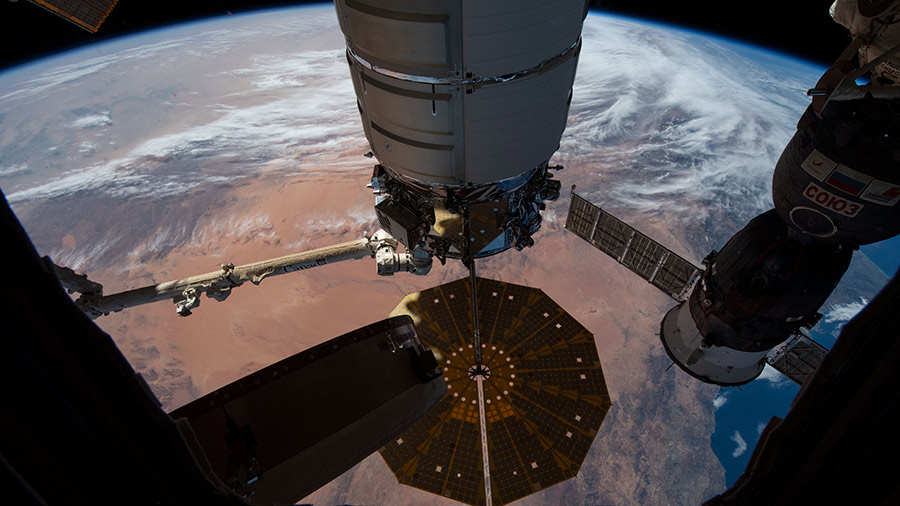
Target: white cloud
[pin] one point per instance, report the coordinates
(550, 217)
(362, 217)
(307, 129)
(740, 444)
(760, 427)
(775, 378)
(86, 147)
(845, 312)
(13, 169)
(162, 47)
(242, 227)
(279, 71)
(81, 258)
(69, 74)
(679, 135)
(291, 111)
(720, 399)
(354, 219)
(93, 120)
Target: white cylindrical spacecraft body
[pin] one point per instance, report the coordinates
(463, 102)
(710, 363)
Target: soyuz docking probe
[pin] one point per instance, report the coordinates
(835, 187)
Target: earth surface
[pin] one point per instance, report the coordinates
(167, 153)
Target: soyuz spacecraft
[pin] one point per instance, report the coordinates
(835, 187)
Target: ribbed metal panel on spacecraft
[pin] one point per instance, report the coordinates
(460, 92)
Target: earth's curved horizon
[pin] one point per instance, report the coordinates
(166, 153)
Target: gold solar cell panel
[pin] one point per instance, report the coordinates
(642, 255)
(88, 14)
(543, 399)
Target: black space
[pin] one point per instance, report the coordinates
(802, 28)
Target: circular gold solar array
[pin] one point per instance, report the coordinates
(544, 396)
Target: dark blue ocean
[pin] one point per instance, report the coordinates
(744, 411)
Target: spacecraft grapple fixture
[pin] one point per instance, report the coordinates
(463, 104)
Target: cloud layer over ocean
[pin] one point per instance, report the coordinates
(680, 127)
(188, 107)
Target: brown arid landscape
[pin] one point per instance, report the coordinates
(653, 447)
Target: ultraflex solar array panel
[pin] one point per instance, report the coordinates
(642, 255)
(544, 397)
(88, 14)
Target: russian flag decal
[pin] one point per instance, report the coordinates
(848, 180)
